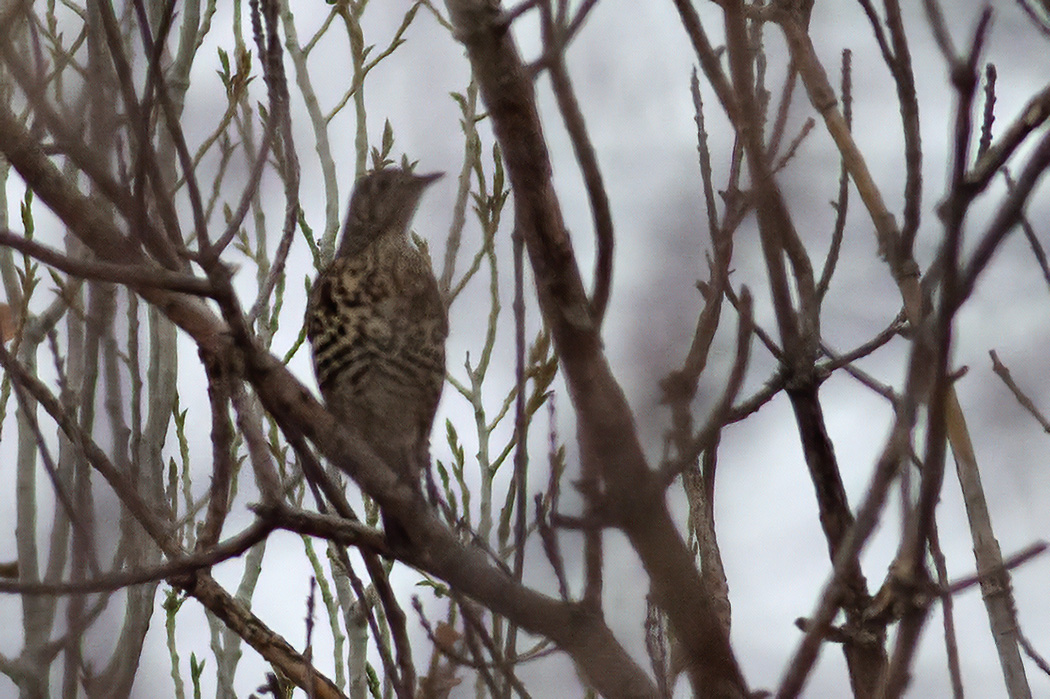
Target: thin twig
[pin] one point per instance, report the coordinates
(940, 30)
(894, 452)
(904, 80)
(1029, 233)
(280, 117)
(1011, 562)
(1003, 373)
(471, 156)
(555, 41)
(793, 147)
(762, 335)
(718, 417)
(1032, 653)
(158, 85)
(550, 546)
(1009, 214)
(1032, 116)
(222, 454)
(988, 120)
(1039, 20)
(936, 340)
(144, 512)
(135, 276)
(149, 166)
(787, 91)
(951, 643)
(841, 204)
(82, 526)
(177, 567)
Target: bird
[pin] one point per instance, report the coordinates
(377, 325)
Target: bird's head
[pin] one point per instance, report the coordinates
(382, 204)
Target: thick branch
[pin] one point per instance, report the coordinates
(442, 554)
(260, 637)
(634, 500)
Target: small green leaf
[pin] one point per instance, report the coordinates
(442, 473)
(27, 214)
(374, 686)
(388, 138)
(439, 589)
(497, 175)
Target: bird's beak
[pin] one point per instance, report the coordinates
(430, 178)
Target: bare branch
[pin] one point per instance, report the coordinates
(1010, 563)
(1034, 115)
(177, 567)
(1003, 373)
(842, 202)
(606, 425)
(556, 37)
(135, 276)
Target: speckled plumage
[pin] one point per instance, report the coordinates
(377, 325)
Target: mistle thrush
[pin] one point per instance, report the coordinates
(377, 325)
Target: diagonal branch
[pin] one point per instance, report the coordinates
(555, 38)
(131, 275)
(584, 635)
(633, 497)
